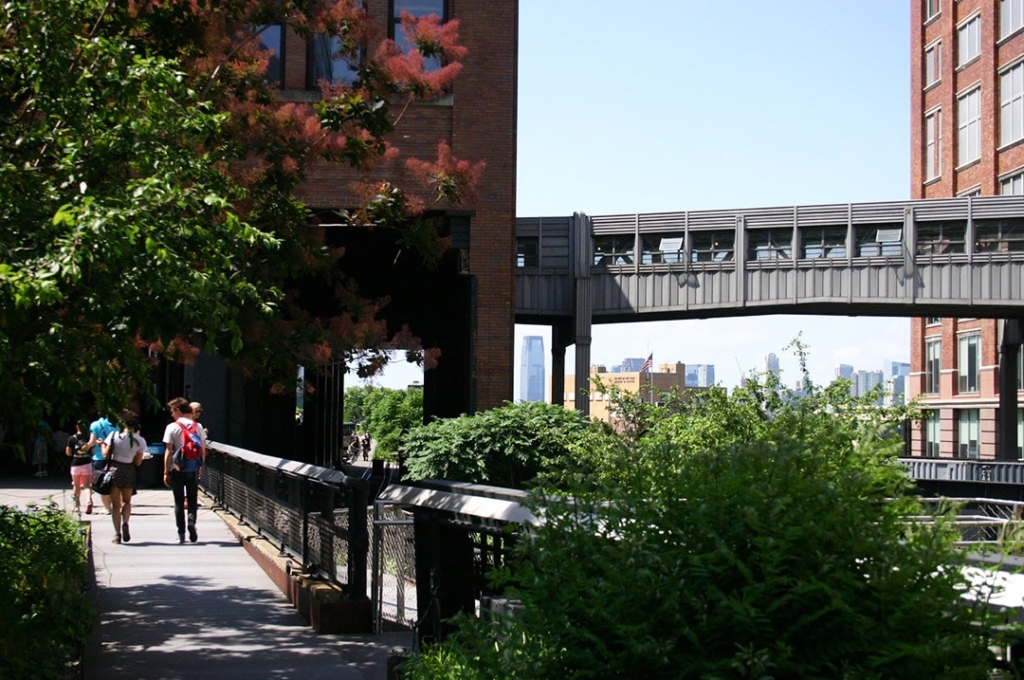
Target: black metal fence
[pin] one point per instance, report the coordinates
(315, 514)
(435, 544)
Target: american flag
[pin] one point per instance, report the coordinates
(646, 366)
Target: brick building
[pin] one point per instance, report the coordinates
(465, 304)
(967, 112)
(667, 378)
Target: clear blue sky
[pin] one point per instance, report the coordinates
(670, 105)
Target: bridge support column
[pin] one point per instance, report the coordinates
(583, 258)
(1009, 350)
(561, 337)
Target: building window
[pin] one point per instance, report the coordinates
(1011, 17)
(932, 432)
(613, 250)
(878, 240)
(1014, 184)
(932, 365)
(931, 9)
(1020, 434)
(770, 244)
(417, 8)
(969, 125)
(712, 246)
(969, 362)
(659, 248)
(933, 145)
(527, 251)
(941, 238)
(1020, 370)
(823, 242)
(933, 321)
(999, 236)
(1011, 111)
(968, 433)
(932, 63)
(969, 43)
(327, 62)
(272, 40)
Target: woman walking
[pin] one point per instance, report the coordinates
(81, 465)
(125, 449)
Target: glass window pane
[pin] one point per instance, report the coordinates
(270, 40)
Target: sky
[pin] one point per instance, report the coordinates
(672, 105)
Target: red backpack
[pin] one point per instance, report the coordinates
(191, 442)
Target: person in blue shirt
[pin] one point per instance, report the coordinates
(99, 429)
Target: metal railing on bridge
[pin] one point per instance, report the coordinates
(434, 542)
(315, 514)
(965, 470)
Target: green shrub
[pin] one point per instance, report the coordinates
(44, 567)
(761, 534)
(509, 446)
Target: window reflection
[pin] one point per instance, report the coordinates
(270, 38)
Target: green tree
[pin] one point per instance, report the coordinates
(387, 414)
(147, 190)
(511, 446)
(754, 535)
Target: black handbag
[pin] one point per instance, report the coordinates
(103, 480)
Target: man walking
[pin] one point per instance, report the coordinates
(182, 472)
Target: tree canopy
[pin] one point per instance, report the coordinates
(147, 189)
(387, 414)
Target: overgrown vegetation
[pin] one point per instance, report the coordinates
(387, 414)
(510, 446)
(757, 534)
(45, 616)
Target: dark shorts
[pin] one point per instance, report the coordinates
(124, 476)
(98, 465)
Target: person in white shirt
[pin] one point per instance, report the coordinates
(124, 448)
(183, 479)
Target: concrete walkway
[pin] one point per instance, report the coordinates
(196, 610)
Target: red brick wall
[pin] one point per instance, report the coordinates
(983, 174)
(479, 122)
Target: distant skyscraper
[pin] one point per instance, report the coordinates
(844, 371)
(531, 370)
(893, 369)
(896, 374)
(700, 375)
(865, 381)
(771, 363)
(631, 365)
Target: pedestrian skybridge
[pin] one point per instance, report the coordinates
(956, 257)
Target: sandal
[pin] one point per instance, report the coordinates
(117, 538)
(88, 508)
(125, 535)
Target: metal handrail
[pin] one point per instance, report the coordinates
(315, 514)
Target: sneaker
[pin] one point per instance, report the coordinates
(125, 534)
(88, 508)
(38, 474)
(192, 535)
(181, 538)
(117, 538)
